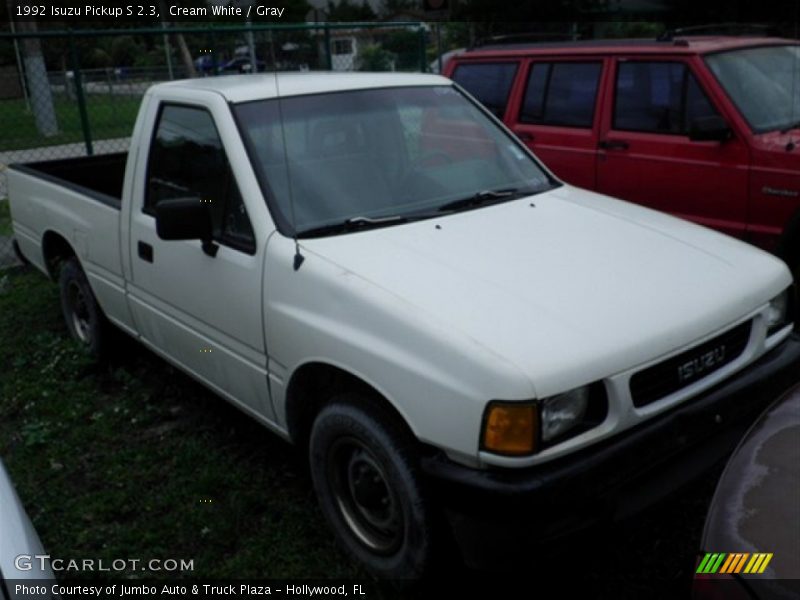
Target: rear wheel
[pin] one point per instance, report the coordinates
(84, 318)
(364, 467)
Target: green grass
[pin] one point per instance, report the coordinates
(5, 217)
(119, 460)
(110, 116)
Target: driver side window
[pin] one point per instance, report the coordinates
(187, 159)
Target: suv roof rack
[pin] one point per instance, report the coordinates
(716, 29)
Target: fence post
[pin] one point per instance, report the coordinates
(76, 72)
(423, 62)
(328, 57)
(212, 39)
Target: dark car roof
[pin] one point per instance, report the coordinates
(756, 507)
(679, 45)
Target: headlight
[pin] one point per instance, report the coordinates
(510, 428)
(523, 428)
(563, 412)
(777, 314)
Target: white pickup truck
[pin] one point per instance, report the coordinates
(373, 267)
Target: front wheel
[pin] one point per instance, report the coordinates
(84, 317)
(364, 469)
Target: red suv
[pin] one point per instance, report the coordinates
(704, 128)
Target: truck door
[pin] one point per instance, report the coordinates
(645, 154)
(200, 311)
(555, 115)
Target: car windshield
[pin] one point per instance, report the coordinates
(764, 83)
(380, 157)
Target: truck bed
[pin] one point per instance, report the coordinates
(74, 202)
(99, 177)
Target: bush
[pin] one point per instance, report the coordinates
(375, 58)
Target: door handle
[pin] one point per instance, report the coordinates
(526, 137)
(145, 252)
(614, 145)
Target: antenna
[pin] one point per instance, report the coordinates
(298, 258)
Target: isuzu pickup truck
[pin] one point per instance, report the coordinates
(377, 270)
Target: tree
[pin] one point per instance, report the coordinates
(124, 51)
(186, 56)
(350, 11)
(390, 8)
(405, 46)
(41, 97)
(375, 58)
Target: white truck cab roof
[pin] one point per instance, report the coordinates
(245, 88)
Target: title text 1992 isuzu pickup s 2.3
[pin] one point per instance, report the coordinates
(388, 278)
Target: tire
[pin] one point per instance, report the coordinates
(84, 317)
(364, 468)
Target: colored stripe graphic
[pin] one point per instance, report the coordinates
(711, 562)
(717, 564)
(759, 562)
(701, 568)
(724, 563)
(740, 564)
(730, 563)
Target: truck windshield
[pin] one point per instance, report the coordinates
(380, 157)
(764, 83)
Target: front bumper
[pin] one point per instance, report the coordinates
(497, 514)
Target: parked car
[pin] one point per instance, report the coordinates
(18, 539)
(376, 270)
(206, 64)
(705, 128)
(751, 541)
(243, 64)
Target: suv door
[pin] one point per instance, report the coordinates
(555, 114)
(645, 154)
(202, 312)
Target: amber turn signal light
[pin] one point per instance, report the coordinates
(510, 428)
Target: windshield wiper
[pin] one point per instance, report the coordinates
(485, 197)
(478, 199)
(351, 224)
(361, 222)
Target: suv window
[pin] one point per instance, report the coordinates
(490, 83)
(658, 97)
(187, 160)
(763, 82)
(561, 94)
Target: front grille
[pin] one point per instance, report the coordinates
(667, 377)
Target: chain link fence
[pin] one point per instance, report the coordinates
(68, 94)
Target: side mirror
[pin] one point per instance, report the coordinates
(185, 219)
(709, 129)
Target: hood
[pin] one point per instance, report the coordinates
(567, 283)
(785, 146)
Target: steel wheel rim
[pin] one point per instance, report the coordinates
(79, 312)
(364, 497)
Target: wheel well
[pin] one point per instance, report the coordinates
(310, 389)
(55, 250)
